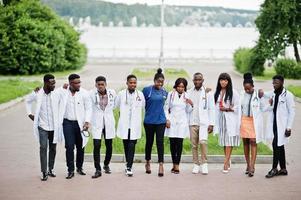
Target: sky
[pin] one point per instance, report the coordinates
(238, 4)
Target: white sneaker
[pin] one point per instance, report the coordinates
(196, 169)
(128, 172)
(205, 168)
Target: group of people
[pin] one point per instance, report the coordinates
(69, 113)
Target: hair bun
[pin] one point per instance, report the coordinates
(248, 76)
(159, 71)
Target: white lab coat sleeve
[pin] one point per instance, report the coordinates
(236, 103)
(211, 109)
(167, 106)
(117, 101)
(291, 109)
(88, 107)
(32, 97)
(143, 101)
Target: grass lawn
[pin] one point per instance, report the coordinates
(296, 90)
(13, 88)
(169, 73)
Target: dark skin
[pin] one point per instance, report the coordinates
(101, 87)
(158, 83)
(132, 84)
(198, 81)
(48, 87)
(224, 84)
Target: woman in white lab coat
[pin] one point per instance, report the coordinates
(228, 114)
(131, 102)
(102, 123)
(251, 129)
(177, 108)
(279, 124)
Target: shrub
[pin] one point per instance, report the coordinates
(288, 68)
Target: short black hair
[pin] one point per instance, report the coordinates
(279, 77)
(47, 77)
(179, 81)
(131, 76)
(197, 74)
(73, 76)
(100, 78)
(159, 74)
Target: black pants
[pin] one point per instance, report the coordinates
(45, 138)
(278, 151)
(150, 130)
(73, 138)
(96, 151)
(176, 146)
(129, 150)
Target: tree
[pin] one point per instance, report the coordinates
(279, 25)
(33, 39)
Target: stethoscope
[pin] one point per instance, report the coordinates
(151, 91)
(97, 96)
(282, 95)
(126, 96)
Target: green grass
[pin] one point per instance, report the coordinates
(13, 88)
(169, 73)
(213, 147)
(267, 75)
(296, 90)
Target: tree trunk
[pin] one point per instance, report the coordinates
(297, 56)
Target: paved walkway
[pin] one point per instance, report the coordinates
(19, 161)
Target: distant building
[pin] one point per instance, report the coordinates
(111, 24)
(120, 24)
(134, 22)
(228, 25)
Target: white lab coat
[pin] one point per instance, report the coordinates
(285, 116)
(136, 115)
(37, 97)
(83, 109)
(177, 112)
(103, 118)
(233, 119)
(257, 107)
(206, 112)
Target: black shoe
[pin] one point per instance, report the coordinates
(70, 175)
(51, 173)
(282, 172)
(272, 173)
(81, 172)
(97, 174)
(44, 176)
(107, 169)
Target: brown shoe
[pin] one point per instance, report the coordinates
(147, 168)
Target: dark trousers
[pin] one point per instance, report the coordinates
(73, 138)
(150, 131)
(129, 150)
(96, 151)
(278, 151)
(45, 138)
(176, 146)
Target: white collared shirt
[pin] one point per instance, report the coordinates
(130, 100)
(70, 113)
(195, 97)
(46, 113)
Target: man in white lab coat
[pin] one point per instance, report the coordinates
(45, 119)
(201, 122)
(279, 124)
(131, 102)
(75, 115)
(102, 123)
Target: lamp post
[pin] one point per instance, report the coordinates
(161, 58)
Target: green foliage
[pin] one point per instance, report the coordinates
(288, 68)
(249, 60)
(296, 90)
(35, 40)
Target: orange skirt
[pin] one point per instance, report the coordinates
(247, 129)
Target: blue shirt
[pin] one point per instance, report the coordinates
(154, 105)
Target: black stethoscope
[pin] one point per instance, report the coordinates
(126, 96)
(96, 97)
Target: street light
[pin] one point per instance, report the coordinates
(161, 58)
